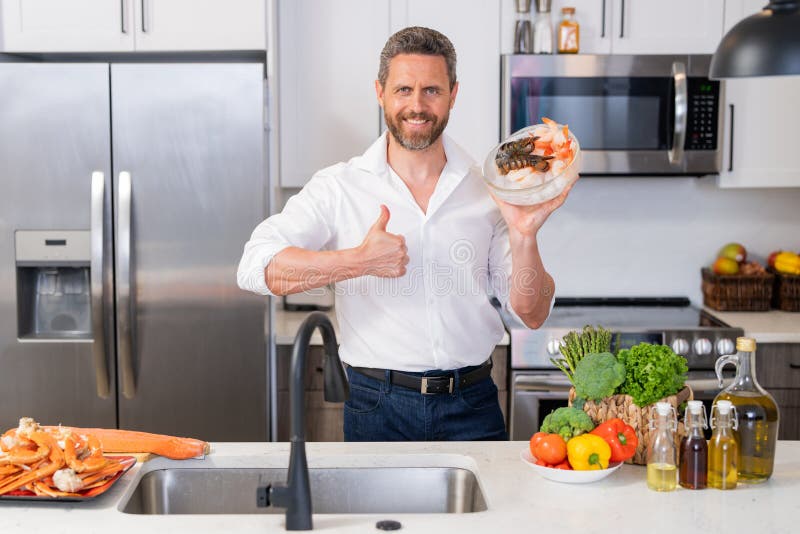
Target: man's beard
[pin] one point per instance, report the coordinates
(418, 141)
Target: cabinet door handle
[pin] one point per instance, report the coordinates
(124, 8)
(145, 16)
(730, 156)
(622, 20)
(603, 23)
(794, 365)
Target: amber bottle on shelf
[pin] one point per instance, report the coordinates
(568, 32)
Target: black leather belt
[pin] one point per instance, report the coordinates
(430, 385)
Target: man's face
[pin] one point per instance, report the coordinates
(416, 99)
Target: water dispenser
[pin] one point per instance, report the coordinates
(53, 284)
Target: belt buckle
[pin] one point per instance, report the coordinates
(424, 388)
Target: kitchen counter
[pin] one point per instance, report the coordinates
(518, 499)
(766, 327)
(288, 322)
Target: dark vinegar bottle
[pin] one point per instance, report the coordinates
(693, 472)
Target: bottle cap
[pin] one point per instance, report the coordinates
(663, 408)
(695, 406)
(568, 10)
(745, 344)
(724, 407)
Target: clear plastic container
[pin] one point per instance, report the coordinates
(539, 188)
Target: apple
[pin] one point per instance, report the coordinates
(733, 251)
(725, 266)
(771, 258)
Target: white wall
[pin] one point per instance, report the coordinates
(651, 236)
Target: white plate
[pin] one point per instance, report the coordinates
(565, 475)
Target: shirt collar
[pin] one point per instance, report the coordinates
(374, 159)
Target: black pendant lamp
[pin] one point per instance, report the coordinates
(764, 44)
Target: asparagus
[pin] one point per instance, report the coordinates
(577, 345)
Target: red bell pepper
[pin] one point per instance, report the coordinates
(620, 436)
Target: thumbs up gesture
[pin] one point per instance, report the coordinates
(383, 254)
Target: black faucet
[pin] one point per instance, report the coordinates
(295, 495)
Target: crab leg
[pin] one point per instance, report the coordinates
(45, 469)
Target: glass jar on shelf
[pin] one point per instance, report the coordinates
(568, 32)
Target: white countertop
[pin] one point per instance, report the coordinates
(288, 322)
(518, 500)
(765, 327)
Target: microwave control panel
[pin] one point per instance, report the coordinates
(703, 114)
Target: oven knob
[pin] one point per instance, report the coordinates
(554, 347)
(702, 346)
(725, 346)
(680, 346)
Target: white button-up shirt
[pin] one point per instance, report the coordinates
(436, 316)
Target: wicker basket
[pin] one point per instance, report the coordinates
(786, 292)
(737, 292)
(622, 406)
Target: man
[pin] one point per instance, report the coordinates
(416, 246)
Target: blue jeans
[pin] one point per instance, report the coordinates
(378, 410)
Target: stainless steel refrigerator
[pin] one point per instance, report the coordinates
(126, 193)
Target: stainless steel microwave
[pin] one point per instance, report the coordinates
(632, 114)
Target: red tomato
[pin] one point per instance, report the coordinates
(551, 448)
(535, 439)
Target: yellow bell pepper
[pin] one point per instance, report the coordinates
(587, 452)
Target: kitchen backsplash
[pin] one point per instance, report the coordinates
(651, 237)
(629, 237)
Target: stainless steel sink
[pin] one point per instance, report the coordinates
(368, 490)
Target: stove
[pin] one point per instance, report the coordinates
(691, 332)
(537, 386)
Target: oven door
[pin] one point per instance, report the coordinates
(534, 394)
(641, 115)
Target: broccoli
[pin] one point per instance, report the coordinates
(597, 376)
(567, 422)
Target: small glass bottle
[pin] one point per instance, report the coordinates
(568, 32)
(662, 469)
(542, 29)
(723, 451)
(522, 29)
(693, 472)
(757, 413)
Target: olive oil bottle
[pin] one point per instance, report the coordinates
(757, 414)
(723, 450)
(662, 468)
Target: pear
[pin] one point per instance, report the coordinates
(733, 251)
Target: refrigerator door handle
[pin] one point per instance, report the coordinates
(99, 355)
(124, 302)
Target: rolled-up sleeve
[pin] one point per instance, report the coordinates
(307, 221)
(500, 269)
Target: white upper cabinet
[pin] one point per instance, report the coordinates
(473, 27)
(761, 117)
(634, 26)
(130, 25)
(329, 54)
(66, 26)
(328, 62)
(200, 25)
(667, 27)
(736, 10)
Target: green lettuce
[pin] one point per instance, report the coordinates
(652, 372)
